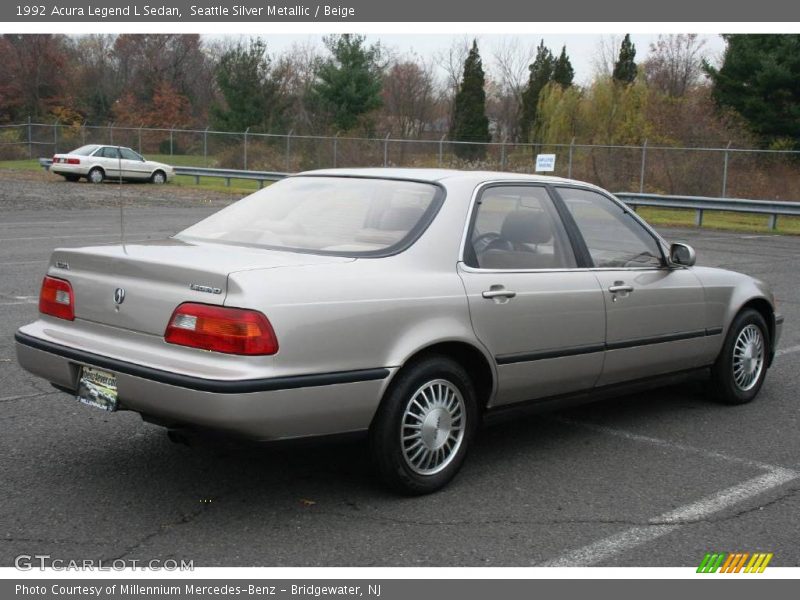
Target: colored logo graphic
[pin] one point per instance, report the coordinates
(734, 562)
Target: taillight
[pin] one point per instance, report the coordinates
(221, 329)
(56, 299)
(73, 161)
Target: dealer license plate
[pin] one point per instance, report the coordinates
(98, 388)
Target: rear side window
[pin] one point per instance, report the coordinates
(109, 152)
(517, 227)
(615, 239)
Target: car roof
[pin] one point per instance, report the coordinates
(442, 175)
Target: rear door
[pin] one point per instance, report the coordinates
(655, 314)
(133, 165)
(108, 157)
(539, 314)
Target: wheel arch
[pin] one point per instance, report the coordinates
(765, 308)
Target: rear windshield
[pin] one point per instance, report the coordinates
(343, 216)
(85, 150)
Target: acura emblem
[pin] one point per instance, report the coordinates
(119, 296)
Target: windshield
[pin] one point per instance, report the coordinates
(85, 150)
(346, 216)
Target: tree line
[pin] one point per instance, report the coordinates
(673, 96)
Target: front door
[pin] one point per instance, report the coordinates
(541, 317)
(655, 314)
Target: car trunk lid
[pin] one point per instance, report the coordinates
(137, 286)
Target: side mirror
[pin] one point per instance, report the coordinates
(682, 254)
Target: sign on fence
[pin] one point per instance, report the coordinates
(545, 162)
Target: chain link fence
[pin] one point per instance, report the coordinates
(700, 171)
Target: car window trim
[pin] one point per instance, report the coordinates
(579, 251)
(627, 210)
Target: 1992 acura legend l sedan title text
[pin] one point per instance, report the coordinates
(403, 303)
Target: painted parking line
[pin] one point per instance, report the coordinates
(673, 520)
(23, 262)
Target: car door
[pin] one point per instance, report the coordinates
(538, 314)
(655, 314)
(133, 165)
(109, 159)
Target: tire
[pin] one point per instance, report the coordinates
(740, 369)
(96, 175)
(158, 177)
(72, 178)
(424, 426)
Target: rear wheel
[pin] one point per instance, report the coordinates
(741, 367)
(423, 429)
(158, 177)
(96, 175)
(72, 178)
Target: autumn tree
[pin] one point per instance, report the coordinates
(469, 122)
(625, 67)
(349, 81)
(675, 64)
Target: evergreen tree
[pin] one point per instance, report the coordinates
(349, 83)
(760, 79)
(563, 73)
(469, 122)
(625, 67)
(251, 92)
(541, 73)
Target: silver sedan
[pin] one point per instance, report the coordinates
(406, 304)
(97, 163)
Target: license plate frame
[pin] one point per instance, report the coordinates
(97, 388)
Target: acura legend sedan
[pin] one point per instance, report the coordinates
(407, 304)
(97, 163)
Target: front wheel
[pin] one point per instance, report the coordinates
(159, 177)
(424, 426)
(741, 367)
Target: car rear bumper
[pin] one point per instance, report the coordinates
(264, 409)
(67, 169)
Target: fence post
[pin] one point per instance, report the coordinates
(83, 133)
(441, 149)
(644, 160)
(725, 172)
(335, 147)
(30, 138)
(171, 135)
(205, 147)
(289, 150)
(246, 131)
(698, 218)
(503, 153)
(571, 150)
(140, 137)
(55, 137)
(772, 223)
(386, 149)
(110, 132)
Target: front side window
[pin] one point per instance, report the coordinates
(517, 227)
(346, 216)
(615, 239)
(129, 154)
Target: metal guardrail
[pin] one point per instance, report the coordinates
(198, 172)
(700, 204)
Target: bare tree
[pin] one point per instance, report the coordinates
(296, 70)
(511, 64)
(451, 61)
(409, 97)
(675, 63)
(606, 55)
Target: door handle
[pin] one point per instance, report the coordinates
(620, 288)
(498, 293)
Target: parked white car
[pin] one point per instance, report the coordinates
(97, 163)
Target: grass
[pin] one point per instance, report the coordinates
(717, 219)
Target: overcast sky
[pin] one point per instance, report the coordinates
(582, 49)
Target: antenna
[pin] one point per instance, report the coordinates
(121, 202)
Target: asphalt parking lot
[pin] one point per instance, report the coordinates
(655, 479)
